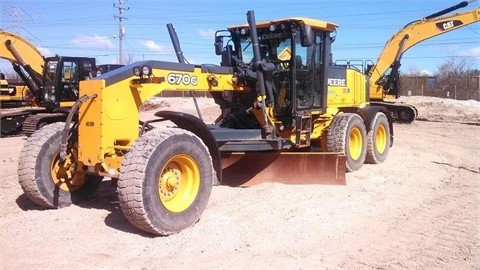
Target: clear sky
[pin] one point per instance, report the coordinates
(90, 28)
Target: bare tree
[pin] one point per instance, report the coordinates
(12, 77)
(458, 78)
(458, 67)
(129, 59)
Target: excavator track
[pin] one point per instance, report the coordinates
(401, 112)
(36, 121)
(12, 121)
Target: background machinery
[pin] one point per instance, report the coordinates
(12, 95)
(384, 75)
(52, 82)
(295, 120)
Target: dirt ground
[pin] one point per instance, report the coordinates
(417, 210)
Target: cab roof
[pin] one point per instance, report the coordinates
(314, 23)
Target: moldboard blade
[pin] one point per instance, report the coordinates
(251, 168)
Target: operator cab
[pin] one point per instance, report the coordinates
(295, 55)
(61, 77)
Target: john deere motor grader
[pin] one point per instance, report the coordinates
(384, 75)
(292, 120)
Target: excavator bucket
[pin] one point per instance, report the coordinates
(251, 168)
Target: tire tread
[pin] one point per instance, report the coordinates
(132, 173)
(27, 161)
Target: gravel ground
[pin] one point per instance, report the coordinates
(417, 210)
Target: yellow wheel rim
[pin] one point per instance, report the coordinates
(64, 174)
(355, 144)
(179, 183)
(381, 139)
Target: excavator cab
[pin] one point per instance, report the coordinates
(61, 77)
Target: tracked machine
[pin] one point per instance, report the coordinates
(287, 115)
(384, 75)
(12, 95)
(51, 85)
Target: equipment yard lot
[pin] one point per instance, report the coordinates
(417, 210)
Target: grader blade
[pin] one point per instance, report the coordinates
(247, 169)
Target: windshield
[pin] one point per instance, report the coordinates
(298, 71)
(272, 47)
(50, 70)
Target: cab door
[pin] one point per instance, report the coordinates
(310, 79)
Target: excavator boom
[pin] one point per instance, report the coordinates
(410, 35)
(26, 59)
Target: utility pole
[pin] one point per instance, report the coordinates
(121, 29)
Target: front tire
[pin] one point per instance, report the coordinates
(47, 181)
(165, 181)
(347, 134)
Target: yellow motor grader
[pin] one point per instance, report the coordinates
(293, 119)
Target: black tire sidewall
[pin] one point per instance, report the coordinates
(53, 194)
(160, 216)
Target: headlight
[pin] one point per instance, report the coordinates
(137, 71)
(272, 27)
(146, 70)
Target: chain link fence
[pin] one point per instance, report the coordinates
(461, 88)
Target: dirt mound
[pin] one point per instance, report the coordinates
(429, 108)
(445, 110)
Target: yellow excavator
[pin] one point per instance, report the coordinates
(293, 119)
(384, 75)
(12, 95)
(52, 84)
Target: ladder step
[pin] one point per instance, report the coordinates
(303, 127)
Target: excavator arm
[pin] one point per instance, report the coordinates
(26, 59)
(382, 82)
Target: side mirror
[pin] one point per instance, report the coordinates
(218, 45)
(306, 36)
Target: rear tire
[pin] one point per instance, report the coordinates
(378, 139)
(347, 134)
(45, 180)
(165, 181)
